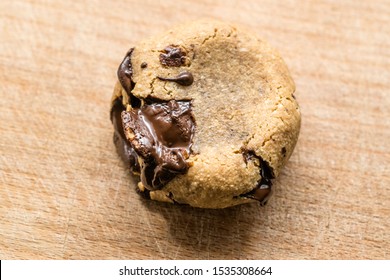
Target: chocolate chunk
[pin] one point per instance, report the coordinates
(284, 151)
(173, 56)
(144, 65)
(263, 190)
(161, 134)
(184, 78)
(123, 147)
(125, 72)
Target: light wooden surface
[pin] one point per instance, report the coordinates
(65, 194)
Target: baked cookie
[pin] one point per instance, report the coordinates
(205, 115)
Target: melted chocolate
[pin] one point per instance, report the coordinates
(125, 71)
(263, 190)
(184, 78)
(162, 136)
(122, 145)
(173, 56)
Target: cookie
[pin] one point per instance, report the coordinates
(205, 115)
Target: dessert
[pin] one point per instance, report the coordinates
(205, 115)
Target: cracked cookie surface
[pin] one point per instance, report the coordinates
(243, 118)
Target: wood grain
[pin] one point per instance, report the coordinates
(64, 193)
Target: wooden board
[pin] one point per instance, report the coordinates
(65, 194)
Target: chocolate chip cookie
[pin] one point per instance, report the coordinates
(205, 115)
